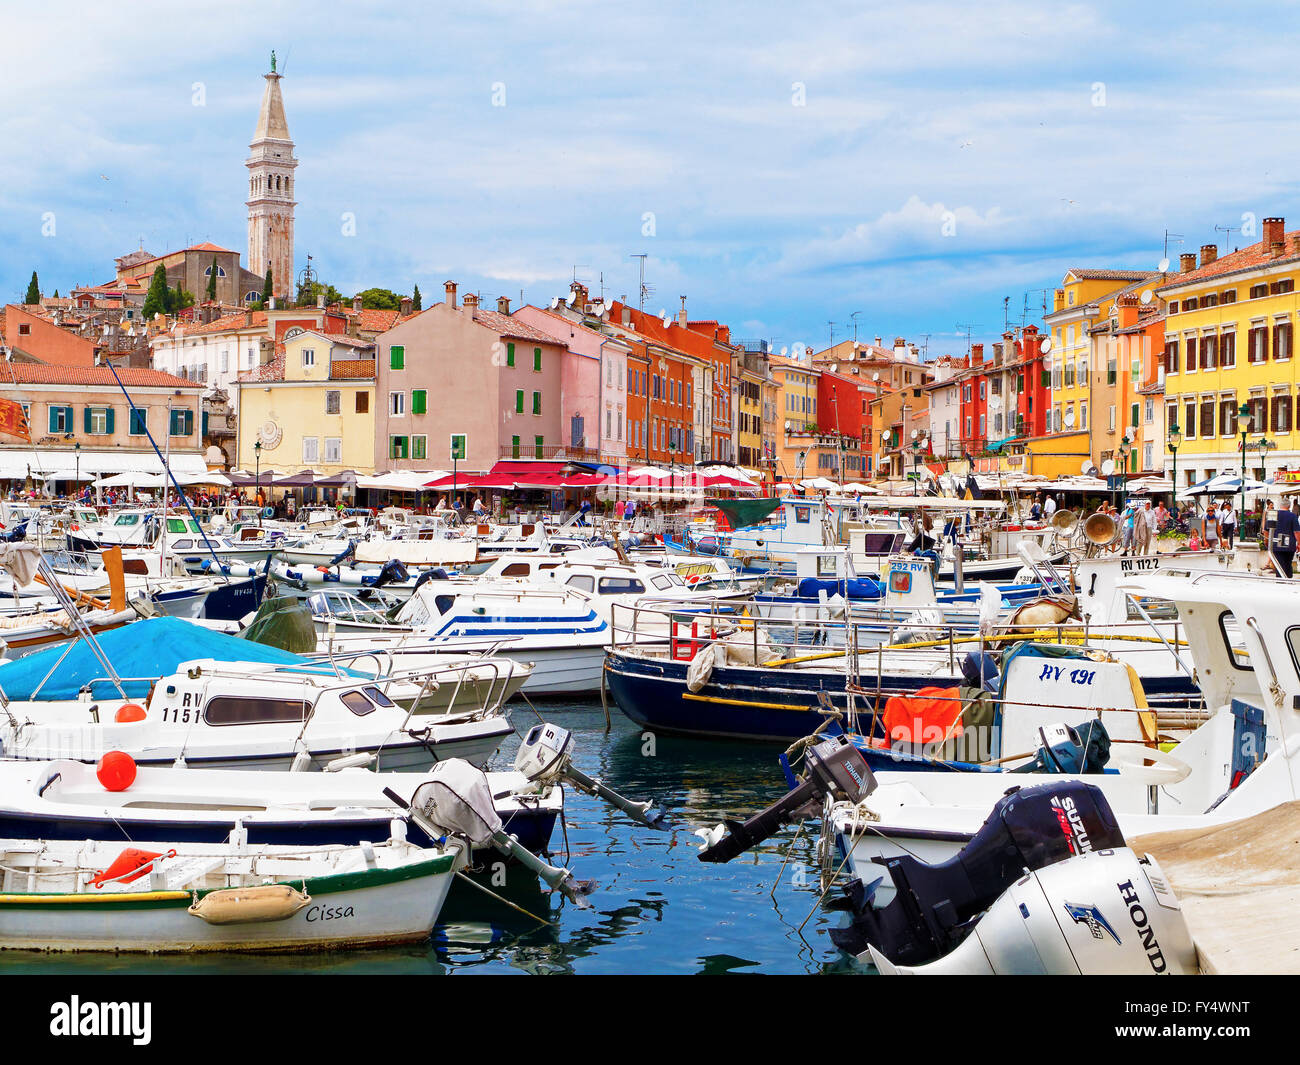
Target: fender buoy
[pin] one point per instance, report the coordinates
(129, 712)
(130, 865)
(268, 512)
(116, 771)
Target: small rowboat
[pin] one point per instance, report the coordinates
(164, 898)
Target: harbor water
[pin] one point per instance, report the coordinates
(655, 908)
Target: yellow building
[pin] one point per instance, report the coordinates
(312, 406)
(1083, 381)
(1229, 339)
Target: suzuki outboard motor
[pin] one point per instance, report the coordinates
(833, 767)
(1029, 828)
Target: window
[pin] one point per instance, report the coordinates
(537, 360)
(397, 357)
(1133, 415)
(1191, 354)
(1281, 287)
(514, 447)
(1150, 412)
(231, 710)
(1281, 341)
(583, 582)
(396, 404)
(1209, 352)
(224, 361)
(363, 403)
(1207, 419)
(620, 586)
(309, 356)
(357, 703)
(1189, 419)
(418, 400)
(537, 447)
(1211, 300)
(60, 419)
(1258, 414)
(1257, 291)
(1281, 413)
(333, 449)
(510, 354)
(1230, 296)
(1173, 307)
(1257, 343)
(519, 401)
(332, 402)
(1228, 416)
(99, 421)
(1228, 351)
(537, 403)
(138, 421)
(397, 447)
(1112, 417)
(1190, 304)
(310, 449)
(419, 447)
(182, 423)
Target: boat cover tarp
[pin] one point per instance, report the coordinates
(146, 649)
(285, 623)
(1239, 887)
(742, 513)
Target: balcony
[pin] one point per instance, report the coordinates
(527, 450)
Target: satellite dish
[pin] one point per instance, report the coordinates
(1164, 266)
(834, 366)
(784, 350)
(1146, 296)
(1046, 345)
(875, 377)
(914, 432)
(1069, 420)
(1108, 467)
(572, 296)
(555, 302)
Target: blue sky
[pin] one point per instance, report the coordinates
(913, 162)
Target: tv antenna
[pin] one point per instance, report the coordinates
(1177, 238)
(1227, 231)
(643, 290)
(968, 326)
(832, 328)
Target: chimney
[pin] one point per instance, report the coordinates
(1274, 231)
(404, 306)
(878, 341)
(450, 286)
(320, 302)
(1127, 311)
(627, 315)
(1209, 252)
(1058, 299)
(503, 305)
(1277, 249)
(248, 317)
(1187, 262)
(977, 354)
(271, 306)
(681, 315)
(471, 302)
(356, 304)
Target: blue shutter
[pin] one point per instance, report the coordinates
(54, 419)
(108, 427)
(86, 418)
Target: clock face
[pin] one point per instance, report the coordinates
(269, 435)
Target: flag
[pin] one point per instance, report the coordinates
(13, 420)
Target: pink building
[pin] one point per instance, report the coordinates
(460, 369)
(593, 384)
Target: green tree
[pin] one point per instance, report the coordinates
(56, 293)
(380, 299)
(158, 299)
(415, 300)
(212, 281)
(308, 294)
(266, 288)
(33, 291)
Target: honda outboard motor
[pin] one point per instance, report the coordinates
(545, 757)
(1029, 829)
(833, 767)
(1070, 749)
(1104, 913)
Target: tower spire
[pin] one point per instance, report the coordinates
(271, 167)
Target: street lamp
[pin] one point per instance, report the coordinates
(1125, 447)
(257, 479)
(1243, 412)
(76, 488)
(799, 460)
(1174, 442)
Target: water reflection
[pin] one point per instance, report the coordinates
(655, 908)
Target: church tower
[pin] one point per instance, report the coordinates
(270, 191)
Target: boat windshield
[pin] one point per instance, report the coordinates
(127, 519)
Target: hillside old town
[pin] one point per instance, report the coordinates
(1171, 372)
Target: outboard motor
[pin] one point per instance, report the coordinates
(545, 757)
(934, 905)
(456, 800)
(435, 574)
(1104, 913)
(348, 552)
(833, 767)
(17, 535)
(1069, 749)
(393, 572)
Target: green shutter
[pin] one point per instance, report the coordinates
(510, 354)
(537, 360)
(418, 401)
(1135, 414)
(205, 423)
(514, 447)
(108, 425)
(54, 419)
(138, 421)
(418, 447)
(537, 444)
(86, 418)
(519, 401)
(397, 357)
(537, 403)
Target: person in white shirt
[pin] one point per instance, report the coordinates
(1227, 524)
(1049, 508)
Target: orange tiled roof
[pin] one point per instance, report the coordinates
(1251, 258)
(228, 323)
(46, 374)
(507, 326)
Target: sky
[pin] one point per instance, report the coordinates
(793, 170)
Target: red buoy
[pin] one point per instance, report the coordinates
(128, 712)
(116, 771)
(130, 865)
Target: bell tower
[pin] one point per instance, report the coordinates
(270, 191)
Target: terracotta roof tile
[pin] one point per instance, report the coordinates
(507, 326)
(44, 374)
(352, 370)
(1251, 258)
(228, 323)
